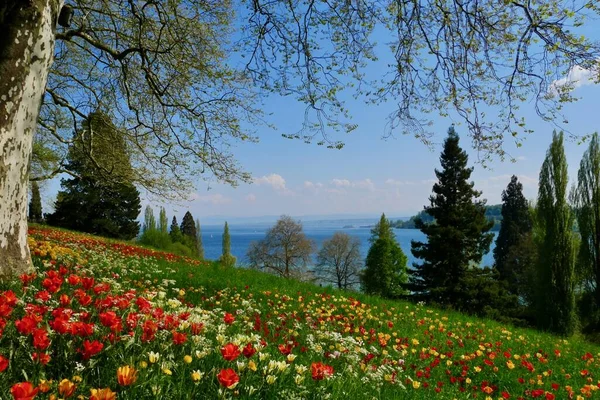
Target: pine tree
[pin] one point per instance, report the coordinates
(163, 222)
(149, 220)
(516, 227)
(385, 266)
(188, 230)
(35, 205)
(175, 232)
(457, 239)
(199, 240)
(586, 198)
(100, 199)
(555, 299)
(227, 259)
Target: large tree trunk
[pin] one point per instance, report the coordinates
(26, 50)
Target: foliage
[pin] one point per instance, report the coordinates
(189, 319)
(175, 232)
(149, 220)
(517, 225)
(385, 266)
(200, 249)
(586, 199)
(459, 236)
(492, 213)
(35, 204)
(92, 201)
(285, 251)
(188, 230)
(339, 261)
(163, 222)
(557, 252)
(227, 259)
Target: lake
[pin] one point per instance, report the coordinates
(243, 234)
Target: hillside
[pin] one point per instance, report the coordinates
(100, 318)
(492, 212)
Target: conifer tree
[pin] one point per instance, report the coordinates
(188, 230)
(385, 266)
(35, 204)
(199, 240)
(227, 259)
(457, 239)
(163, 222)
(555, 299)
(516, 228)
(175, 232)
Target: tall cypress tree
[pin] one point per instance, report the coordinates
(555, 299)
(227, 259)
(586, 198)
(385, 266)
(515, 229)
(457, 239)
(163, 222)
(35, 204)
(199, 240)
(149, 220)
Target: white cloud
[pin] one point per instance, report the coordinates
(366, 184)
(216, 199)
(341, 183)
(577, 77)
(276, 181)
(250, 198)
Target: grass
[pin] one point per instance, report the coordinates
(308, 342)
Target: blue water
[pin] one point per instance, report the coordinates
(242, 235)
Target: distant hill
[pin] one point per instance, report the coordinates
(492, 212)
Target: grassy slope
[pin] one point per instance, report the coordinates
(413, 346)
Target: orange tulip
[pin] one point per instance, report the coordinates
(102, 394)
(23, 391)
(126, 375)
(66, 388)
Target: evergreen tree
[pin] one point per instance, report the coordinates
(188, 230)
(586, 198)
(96, 200)
(385, 266)
(35, 205)
(517, 225)
(457, 239)
(175, 232)
(555, 299)
(163, 222)
(227, 259)
(149, 220)
(199, 240)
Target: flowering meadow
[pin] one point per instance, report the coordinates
(101, 319)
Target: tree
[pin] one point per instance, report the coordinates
(227, 259)
(175, 232)
(35, 205)
(199, 240)
(339, 261)
(458, 238)
(163, 223)
(91, 201)
(586, 199)
(517, 225)
(285, 250)
(556, 312)
(182, 104)
(149, 220)
(188, 230)
(385, 266)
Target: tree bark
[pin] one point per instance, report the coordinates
(26, 53)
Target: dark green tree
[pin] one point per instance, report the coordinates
(457, 239)
(199, 240)
(95, 200)
(555, 299)
(227, 259)
(35, 204)
(188, 230)
(586, 199)
(517, 225)
(385, 266)
(175, 232)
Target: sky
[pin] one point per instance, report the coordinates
(369, 175)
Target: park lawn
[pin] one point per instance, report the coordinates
(101, 318)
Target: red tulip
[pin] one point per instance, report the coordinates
(228, 378)
(3, 363)
(230, 352)
(23, 391)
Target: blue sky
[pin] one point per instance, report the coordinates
(369, 175)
